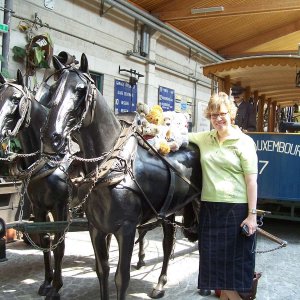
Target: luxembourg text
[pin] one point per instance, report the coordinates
(277, 146)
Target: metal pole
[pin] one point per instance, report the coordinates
(8, 6)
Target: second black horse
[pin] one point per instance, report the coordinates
(126, 186)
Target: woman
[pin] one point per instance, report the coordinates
(228, 202)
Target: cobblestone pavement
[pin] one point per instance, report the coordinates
(22, 273)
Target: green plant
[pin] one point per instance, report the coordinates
(19, 53)
(4, 71)
(36, 53)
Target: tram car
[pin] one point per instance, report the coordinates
(279, 173)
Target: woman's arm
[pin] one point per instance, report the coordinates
(251, 185)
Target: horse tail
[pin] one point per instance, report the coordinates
(190, 220)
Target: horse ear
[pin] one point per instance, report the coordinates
(20, 80)
(2, 79)
(56, 63)
(84, 65)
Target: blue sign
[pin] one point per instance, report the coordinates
(125, 97)
(278, 166)
(166, 98)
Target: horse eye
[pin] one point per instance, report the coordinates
(15, 100)
(80, 87)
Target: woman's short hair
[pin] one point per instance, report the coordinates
(215, 102)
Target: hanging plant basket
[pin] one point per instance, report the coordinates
(36, 54)
(40, 52)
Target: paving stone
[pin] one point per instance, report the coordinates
(23, 273)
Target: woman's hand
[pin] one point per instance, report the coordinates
(251, 222)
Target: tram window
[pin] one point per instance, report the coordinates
(98, 79)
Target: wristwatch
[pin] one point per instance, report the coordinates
(253, 211)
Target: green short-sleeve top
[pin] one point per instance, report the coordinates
(224, 165)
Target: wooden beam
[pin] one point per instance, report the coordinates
(255, 95)
(260, 121)
(175, 5)
(274, 106)
(227, 85)
(260, 53)
(181, 10)
(243, 45)
(269, 114)
(247, 93)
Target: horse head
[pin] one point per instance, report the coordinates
(74, 102)
(15, 106)
(71, 105)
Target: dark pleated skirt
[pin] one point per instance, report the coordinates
(227, 257)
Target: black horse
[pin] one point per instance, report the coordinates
(126, 186)
(22, 116)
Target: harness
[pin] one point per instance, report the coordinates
(24, 109)
(117, 163)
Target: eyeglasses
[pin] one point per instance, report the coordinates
(215, 116)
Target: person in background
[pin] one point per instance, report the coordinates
(228, 202)
(246, 114)
(296, 113)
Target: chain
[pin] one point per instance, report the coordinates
(94, 159)
(22, 193)
(26, 155)
(13, 155)
(70, 219)
(81, 159)
(5, 159)
(270, 250)
(260, 224)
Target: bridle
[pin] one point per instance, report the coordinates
(87, 116)
(24, 109)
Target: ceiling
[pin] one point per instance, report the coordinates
(244, 28)
(272, 76)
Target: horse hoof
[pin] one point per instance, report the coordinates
(44, 289)
(52, 295)
(203, 292)
(140, 264)
(156, 294)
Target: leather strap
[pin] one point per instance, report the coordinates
(166, 161)
(169, 197)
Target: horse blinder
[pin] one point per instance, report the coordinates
(90, 104)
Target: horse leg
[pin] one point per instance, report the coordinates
(40, 216)
(57, 282)
(168, 243)
(59, 213)
(46, 285)
(125, 237)
(141, 262)
(101, 242)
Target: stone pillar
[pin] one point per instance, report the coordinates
(150, 77)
